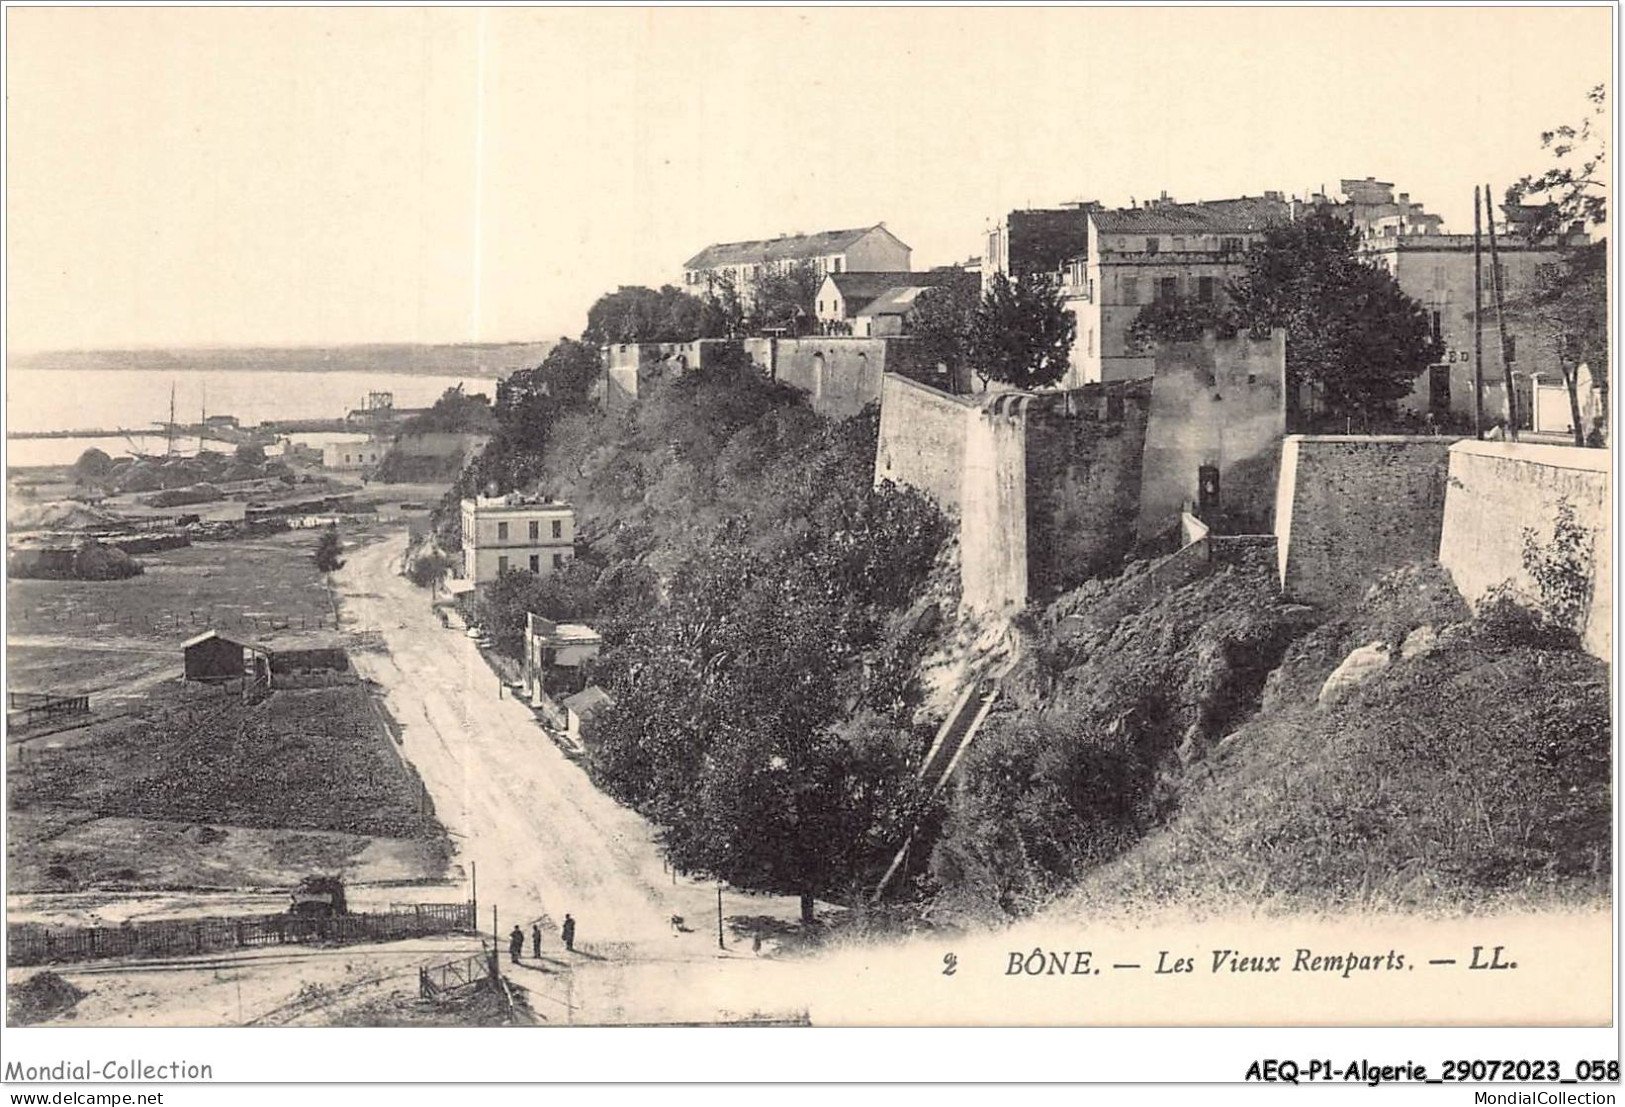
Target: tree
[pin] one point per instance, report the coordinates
(328, 548)
(1176, 321)
(455, 411)
(1022, 334)
(1351, 332)
(1575, 187)
(1568, 302)
(942, 323)
(784, 297)
(725, 308)
(93, 467)
(633, 313)
(1567, 305)
(571, 369)
(250, 454)
(426, 569)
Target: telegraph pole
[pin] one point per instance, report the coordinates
(1501, 320)
(720, 944)
(1478, 319)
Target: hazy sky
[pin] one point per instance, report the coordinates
(231, 176)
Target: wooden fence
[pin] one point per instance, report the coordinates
(34, 944)
(453, 976)
(24, 709)
(168, 622)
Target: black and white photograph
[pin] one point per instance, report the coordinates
(777, 518)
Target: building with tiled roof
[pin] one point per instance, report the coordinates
(843, 297)
(859, 249)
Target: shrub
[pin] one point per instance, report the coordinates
(427, 569)
(94, 561)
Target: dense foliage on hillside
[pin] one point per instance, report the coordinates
(1184, 753)
(751, 585)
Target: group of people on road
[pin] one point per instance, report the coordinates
(516, 939)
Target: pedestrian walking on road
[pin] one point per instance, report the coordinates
(536, 940)
(569, 933)
(516, 944)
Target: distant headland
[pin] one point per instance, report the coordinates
(494, 358)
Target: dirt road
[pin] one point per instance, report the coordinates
(545, 841)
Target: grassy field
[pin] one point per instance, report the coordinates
(242, 584)
(193, 788)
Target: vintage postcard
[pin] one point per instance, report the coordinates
(809, 517)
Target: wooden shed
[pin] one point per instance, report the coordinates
(213, 656)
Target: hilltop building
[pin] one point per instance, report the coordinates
(513, 532)
(1036, 240)
(1162, 250)
(876, 304)
(1436, 269)
(860, 249)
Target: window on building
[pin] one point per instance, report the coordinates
(558, 528)
(502, 532)
(1437, 329)
(1179, 245)
(1152, 245)
(1167, 289)
(1230, 245)
(558, 561)
(839, 262)
(535, 530)
(820, 307)
(535, 563)
(346, 459)
(502, 565)
(1131, 290)
(1206, 289)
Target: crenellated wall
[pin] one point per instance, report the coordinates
(630, 365)
(1083, 455)
(839, 375)
(1043, 486)
(1219, 402)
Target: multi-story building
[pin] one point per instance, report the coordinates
(861, 249)
(1143, 255)
(1437, 270)
(513, 532)
(1036, 240)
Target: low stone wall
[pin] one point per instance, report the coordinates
(1349, 508)
(1499, 490)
